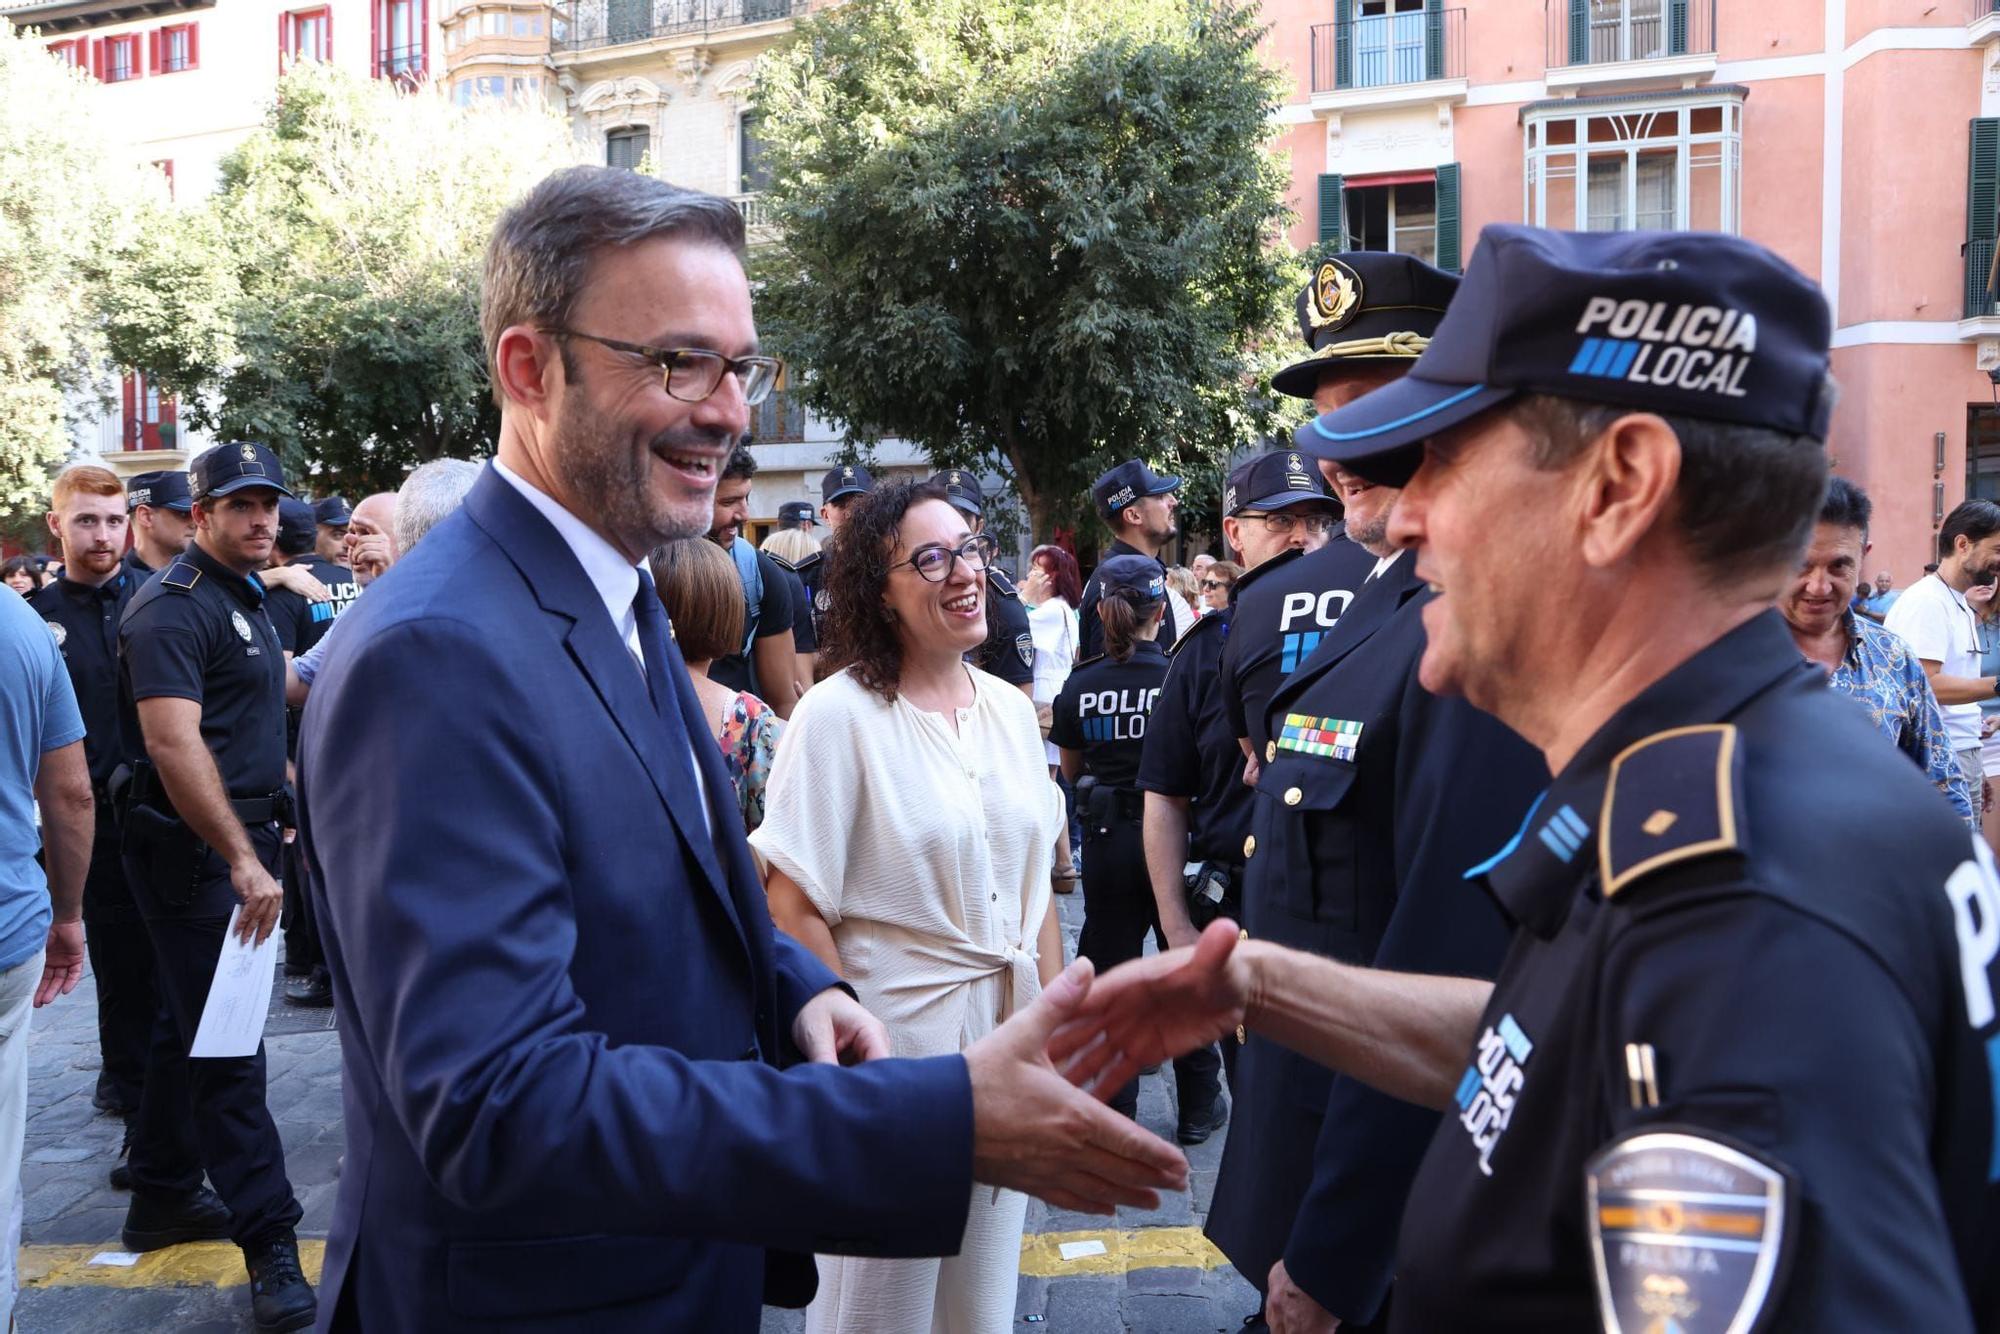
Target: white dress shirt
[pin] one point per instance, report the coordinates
(615, 579)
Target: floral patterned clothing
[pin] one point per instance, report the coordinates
(749, 739)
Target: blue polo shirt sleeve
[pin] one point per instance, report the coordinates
(164, 661)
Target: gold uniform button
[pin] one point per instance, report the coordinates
(1293, 796)
(1249, 847)
(1270, 751)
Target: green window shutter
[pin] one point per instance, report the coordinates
(1332, 209)
(1982, 213)
(1447, 218)
(1579, 32)
(1343, 43)
(1677, 27)
(1433, 39)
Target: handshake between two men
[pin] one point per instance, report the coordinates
(1038, 1129)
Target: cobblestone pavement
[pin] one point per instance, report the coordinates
(1156, 1275)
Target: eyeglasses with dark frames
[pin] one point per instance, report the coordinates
(691, 374)
(1282, 524)
(1212, 584)
(933, 563)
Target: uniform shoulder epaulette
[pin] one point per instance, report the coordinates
(1002, 584)
(1085, 662)
(1283, 558)
(1200, 622)
(781, 562)
(1674, 797)
(180, 576)
(808, 562)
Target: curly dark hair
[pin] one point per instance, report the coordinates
(856, 630)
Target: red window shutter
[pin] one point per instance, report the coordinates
(327, 53)
(375, 38)
(284, 26)
(424, 22)
(194, 45)
(155, 40)
(131, 434)
(97, 58)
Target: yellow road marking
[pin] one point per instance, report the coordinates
(198, 1264)
(218, 1264)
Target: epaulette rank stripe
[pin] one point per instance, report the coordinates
(181, 576)
(1681, 808)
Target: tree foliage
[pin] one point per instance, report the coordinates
(55, 206)
(1028, 234)
(326, 299)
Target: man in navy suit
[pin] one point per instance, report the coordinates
(564, 1014)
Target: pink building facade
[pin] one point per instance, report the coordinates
(1860, 139)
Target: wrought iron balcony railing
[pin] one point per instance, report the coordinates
(598, 23)
(1385, 50)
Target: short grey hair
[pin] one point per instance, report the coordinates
(427, 495)
(538, 262)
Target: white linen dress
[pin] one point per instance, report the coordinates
(927, 852)
(1054, 630)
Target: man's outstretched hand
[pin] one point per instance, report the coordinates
(1033, 1131)
(1154, 1009)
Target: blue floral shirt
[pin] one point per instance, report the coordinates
(1881, 672)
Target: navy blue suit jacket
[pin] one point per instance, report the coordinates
(562, 1005)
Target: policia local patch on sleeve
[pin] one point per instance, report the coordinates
(1689, 1233)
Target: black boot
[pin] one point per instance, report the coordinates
(1205, 1121)
(315, 992)
(280, 1297)
(153, 1222)
(121, 1175)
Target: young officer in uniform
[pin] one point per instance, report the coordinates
(158, 506)
(1374, 796)
(1098, 724)
(204, 685)
(1192, 771)
(1009, 650)
(797, 514)
(302, 623)
(87, 514)
(1138, 507)
(1365, 317)
(1737, 1070)
(840, 486)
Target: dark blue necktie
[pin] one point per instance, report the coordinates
(653, 635)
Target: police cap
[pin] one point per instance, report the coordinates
(1679, 323)
(228, 468)
(1127, 482)
(1139, 576)
(963, 490)
(297, 528)
(162, 490)
(1365, 307)
(332, 512)
(1274, 481)
(846, 480)
(796, 514)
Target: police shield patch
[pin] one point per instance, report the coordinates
(242, 626)
(1689, 1234)
(1025, 646)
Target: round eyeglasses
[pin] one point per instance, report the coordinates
(933, 563)
(691, 374)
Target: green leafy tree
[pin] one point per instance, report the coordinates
(326, 299)
(1030, 235)
(54, 203)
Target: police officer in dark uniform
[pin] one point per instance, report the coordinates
(1098, 722)
(158, 505)
(1365, 317)
(1009, 650)
(1737, 1069)
(1138, 507)
(88, 513)
(836, 490)
(202, 674)
(302, 623)
(331, 518)
(1373, 797)
(797, 514)
(1192, 771)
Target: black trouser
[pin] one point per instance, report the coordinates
(1118, 911)
(121, 959)
(208, 1111)
(302, 951)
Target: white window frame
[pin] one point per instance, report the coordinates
(1641, 124)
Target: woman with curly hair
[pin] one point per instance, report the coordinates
(906, 842)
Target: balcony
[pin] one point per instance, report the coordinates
(405, 64)
(1629, 41)
(599, 23)
(779, 419)
(1980, 302)
(1982, 21)
(1389, 60)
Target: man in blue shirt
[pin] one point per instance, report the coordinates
(41, 917)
